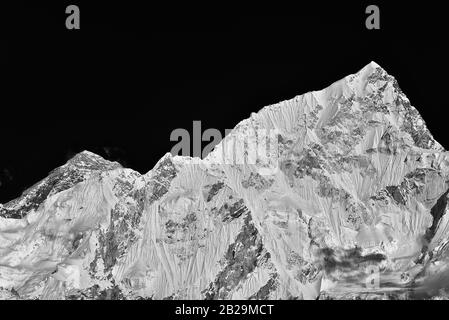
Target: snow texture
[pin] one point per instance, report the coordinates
(352, 205)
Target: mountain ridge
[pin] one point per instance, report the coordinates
(356, 183)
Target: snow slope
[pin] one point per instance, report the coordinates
(347, 199)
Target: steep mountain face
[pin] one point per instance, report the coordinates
(346, 199)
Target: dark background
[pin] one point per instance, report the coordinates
(132, 74)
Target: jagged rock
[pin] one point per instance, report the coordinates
(356, 188)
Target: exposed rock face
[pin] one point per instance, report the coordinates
(351, 205)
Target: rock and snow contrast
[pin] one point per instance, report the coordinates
(353, 205)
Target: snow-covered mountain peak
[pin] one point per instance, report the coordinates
(355, 187)
(76, 169)
(90, 161)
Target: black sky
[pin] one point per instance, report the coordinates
(131, 75)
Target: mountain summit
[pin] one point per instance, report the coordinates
(351, 204)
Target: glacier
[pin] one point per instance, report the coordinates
(351, 206)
